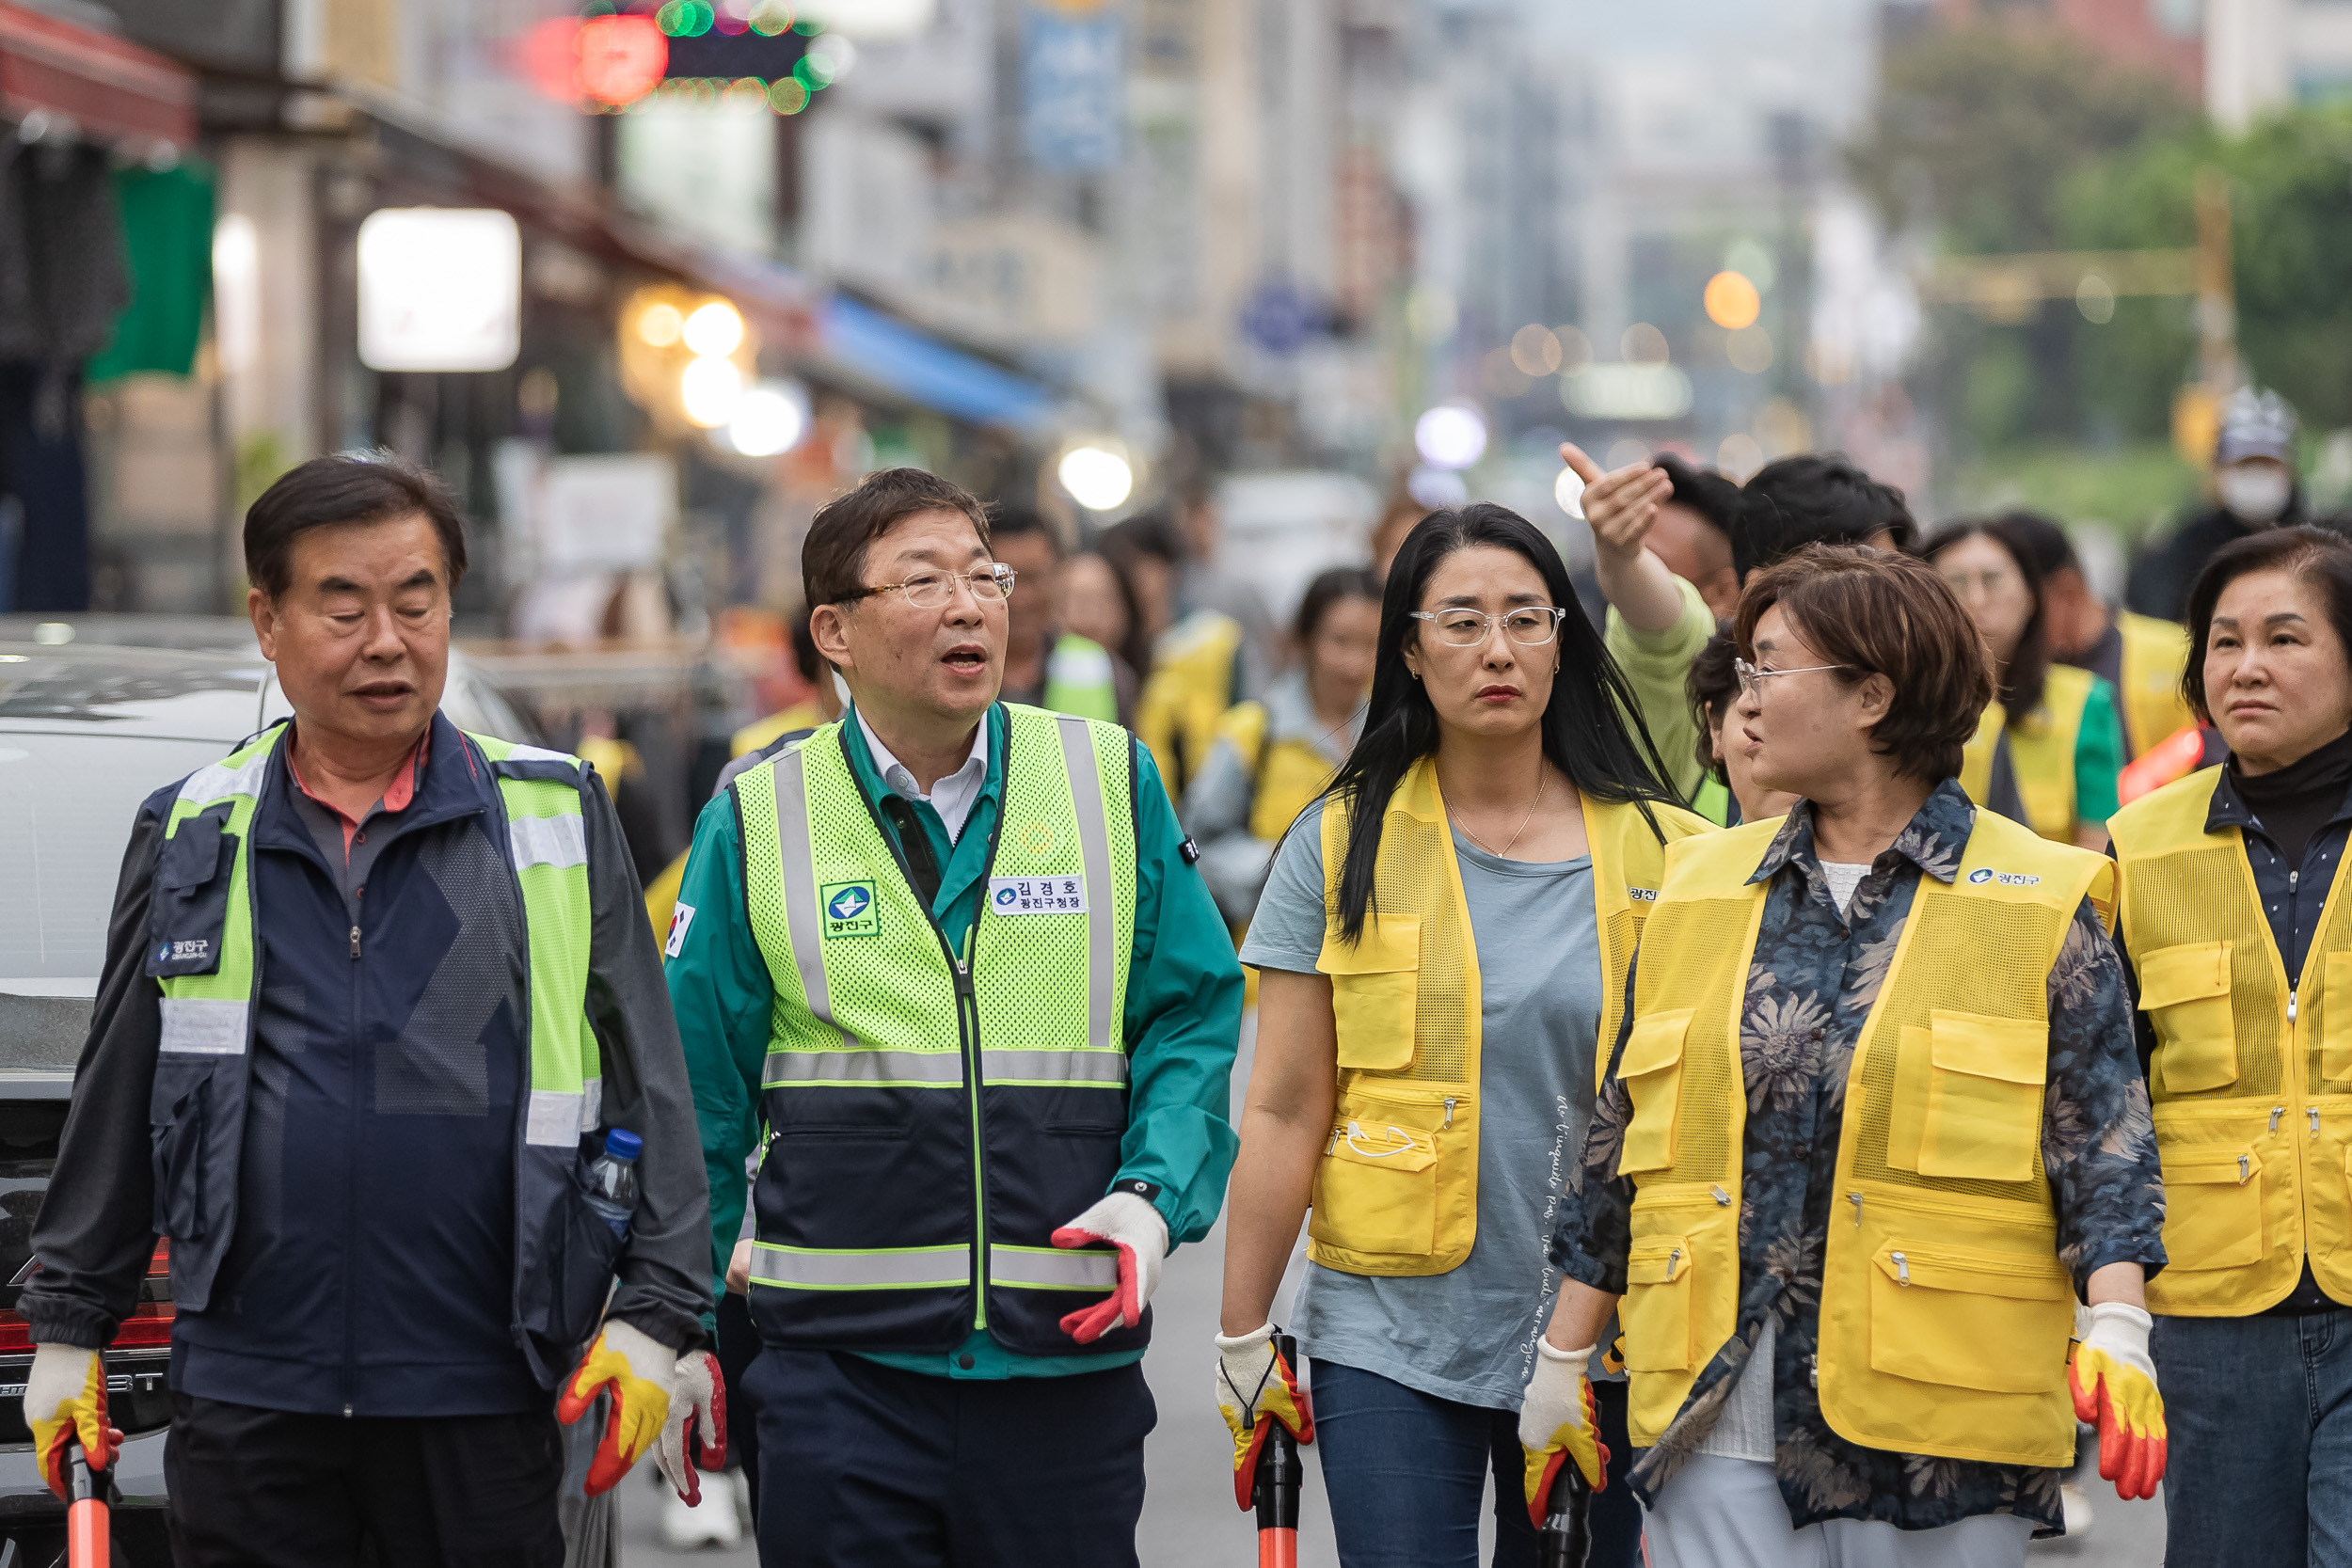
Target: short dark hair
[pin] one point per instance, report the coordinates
(1708, 687)
(1706, 492)
(1329, 588)
(2029, 668)
(833, 558)
(345, 487)
(1814, 498)
(2314, 554)
(1153, 534)
(1878, 613)
(1023, 522)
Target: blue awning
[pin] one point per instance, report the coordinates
(902, 360)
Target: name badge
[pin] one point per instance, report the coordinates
(1037, 895)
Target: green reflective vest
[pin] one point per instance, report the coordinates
(936, 1114)
(1078, 679)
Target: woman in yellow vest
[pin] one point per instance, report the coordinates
(1442, 941)
(1874, 1120)
(2231, 919)
(2048, 752)
(1273, 758)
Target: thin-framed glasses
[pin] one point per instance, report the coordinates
(930, 590)
(1530, 626)
(1752, 679)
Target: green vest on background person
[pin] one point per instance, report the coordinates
(1079, 680)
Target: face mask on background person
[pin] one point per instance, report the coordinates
(2256, 492)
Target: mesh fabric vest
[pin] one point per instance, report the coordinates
(1945, 1312)
(898, 1208)
(2251, 1080)
(2040, 750)
(2154, 654)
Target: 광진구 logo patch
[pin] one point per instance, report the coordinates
(848, 910)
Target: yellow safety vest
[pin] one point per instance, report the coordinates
(1191, 686)
(2251, 1080)
(1287, 776)
(2040, 750)
(1396, 1191)
(1944, 1310)
(2155, 655)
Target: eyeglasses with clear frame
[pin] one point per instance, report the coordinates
(1752, 679)
(933, 590)
(1530, 626)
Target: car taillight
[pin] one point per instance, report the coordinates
(147, 1327)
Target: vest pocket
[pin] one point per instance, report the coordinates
(1967, 1319)
(1983, 1113)
(177, 1108)
(1376, 986)
(2184, 991)
(1657, 1314)
(2335, 1035)
(586, 1249)
(2212, 1207)
(1377, 1189)
(1651, 1071)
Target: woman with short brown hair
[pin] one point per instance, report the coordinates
(1847, 1315)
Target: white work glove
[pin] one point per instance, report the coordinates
(65, 1401)
(1560, 1419)
(1130, 1224)
(639, 1370)
(695, 1432)
(2114, 1383)
(1256, 1388)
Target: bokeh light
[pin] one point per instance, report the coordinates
(1732, 301)
(1451, 436)
(714, 331)
(1643, 345)
(659, 323)
(1435, 488)
(710, 390)
(621, 57)
(770, 417)
(1535, 351)
(1749, 350)
(1568, 491)
(1738, 457)
(1576, 350)
(1097, 478)
(2094, 297)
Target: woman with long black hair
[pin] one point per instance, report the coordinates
(1443, 937)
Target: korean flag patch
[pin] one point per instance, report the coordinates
(680, 918)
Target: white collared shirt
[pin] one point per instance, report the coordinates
(951, 796)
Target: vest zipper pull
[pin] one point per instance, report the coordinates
(2315, 1115)
(2291, 1004)
(355, 941)
(2275, 1112)
(1903, 1270)
(1449, 1110)
(1855, 1198)
(1672, 1258)
(1723, 1198)
(2245, 1169)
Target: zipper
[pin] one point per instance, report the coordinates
(1903, 1270)
(351, 1188)
(2275, 1112)
(1722, 1197)
(355, 942)
(1855, 1198)
(2314, 1115)
(1449, 1115)
(1672, 1258)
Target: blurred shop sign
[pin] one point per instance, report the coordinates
(1595, 391)
(567, 518)
(1013, 279)
(703, 167)
(1073, 84)
(440, 289)
(873, 20)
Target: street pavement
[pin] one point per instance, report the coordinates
(1189, 1520)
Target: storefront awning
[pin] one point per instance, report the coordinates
(904, 361)
(108, 89)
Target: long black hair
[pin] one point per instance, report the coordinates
(1591, 731)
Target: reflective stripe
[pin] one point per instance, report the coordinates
(535, 754)
(218, 780)
(1094, 845)
(204, 1026)
(554, 1117)
(864, 1068)
(799, 886)
(548, 841)
(1046, 1268)
(921, 1268)
(1053, 1066)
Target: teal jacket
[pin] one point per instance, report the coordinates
(1183, 1022)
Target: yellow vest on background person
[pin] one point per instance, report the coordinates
(2251, 1080)
(1194, 670)
(2041, 750)
(2155, 653)
(1945, 1313)
(763, 731)
(1285, 777)
(1396, 1191)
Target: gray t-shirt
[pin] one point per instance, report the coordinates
(1469, 1335)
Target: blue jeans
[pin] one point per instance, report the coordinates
(1406, 1472)
(2259, 1415)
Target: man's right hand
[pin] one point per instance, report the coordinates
(65, 1401)
(1619, 505)
(1256, 1388)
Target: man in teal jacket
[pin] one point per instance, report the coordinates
(952, 956)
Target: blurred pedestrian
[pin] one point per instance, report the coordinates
(2254, 486)
(2231, 919)
(1045, 665)
(2141, 656)
(1871, 1124)
(2046, 753)
(1728, 794)
(1399, 517)
(1444, 937)
(951, 955)
(1814, 498)
(1273, 757)
(1207, 579)
(1099, 604)
(1197, 668)
(821, 707)
(366, 1126)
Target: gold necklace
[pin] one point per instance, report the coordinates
(1543, 782)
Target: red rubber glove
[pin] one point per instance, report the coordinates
(1133, 1226)
(638, 1371)
(697, 1430)
(65, 1401)
(2114, 1383)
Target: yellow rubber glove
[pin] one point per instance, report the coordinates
(639, 1372)
(1256, 1388)
(65, 1400)
(2114, 1383)
(1560, 1419)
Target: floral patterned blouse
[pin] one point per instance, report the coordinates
(1811, 984)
